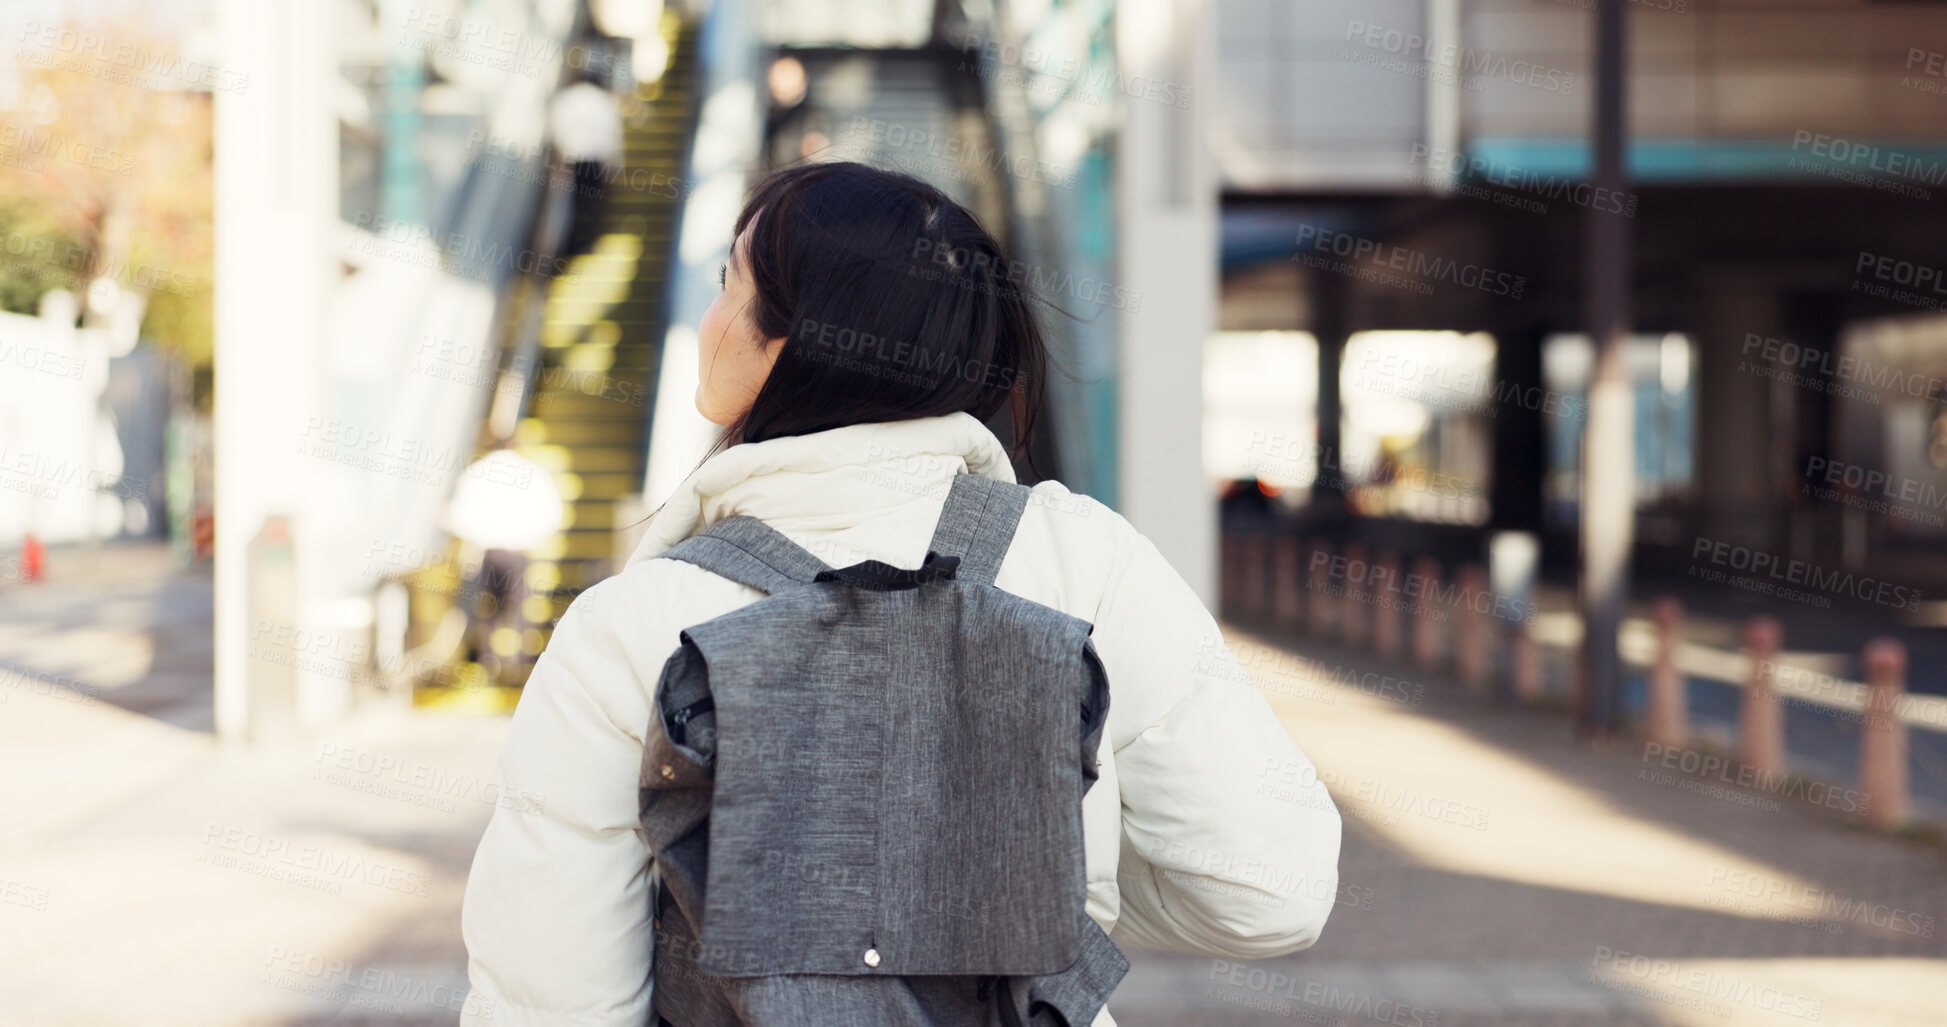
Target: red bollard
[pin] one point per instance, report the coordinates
(1761, 721)
(33, 558)
(1426, 623)
(1257, 553)
(1882, 738)
(1320, 602)
(1287, 604)
(1524, 661)
(1668, 718)
(1386, 602)
(203, 530)
(1356, 592)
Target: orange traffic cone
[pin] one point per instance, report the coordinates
(32, 556)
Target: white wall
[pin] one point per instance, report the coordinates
(1166, 237)
(276, 153)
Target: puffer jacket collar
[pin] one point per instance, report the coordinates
(817, 482)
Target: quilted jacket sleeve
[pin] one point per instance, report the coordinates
(556, 911)
(1230, 842)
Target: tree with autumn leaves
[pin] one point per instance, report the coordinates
(105, 172)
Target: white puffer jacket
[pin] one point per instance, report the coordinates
(1188, 848)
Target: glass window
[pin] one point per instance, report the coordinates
(1661, 374)
(1417, 438)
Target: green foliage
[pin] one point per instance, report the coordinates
(24, 277)
(102, 176)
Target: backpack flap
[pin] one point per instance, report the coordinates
(888, 800)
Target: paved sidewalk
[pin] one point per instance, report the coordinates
(1494, 872)
(149, 875)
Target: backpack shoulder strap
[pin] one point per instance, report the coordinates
(750, 552)
(977, 525)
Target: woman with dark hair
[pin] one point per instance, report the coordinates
(867, 328)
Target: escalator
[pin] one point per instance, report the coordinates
(596, 331)
(588, 407)
(601, 338)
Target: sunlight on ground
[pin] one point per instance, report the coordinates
(1455, 803)
(105, 657)
(216, 918)
(1719, 992)
(65, 754)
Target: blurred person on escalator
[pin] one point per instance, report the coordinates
(585, 128)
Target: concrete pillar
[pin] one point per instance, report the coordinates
(1882, 737)
(275, 255)
(1607, 500)
(1520, 434)
(1761, 720)
(1166, 242)
(1330, 328)
(1736, 495)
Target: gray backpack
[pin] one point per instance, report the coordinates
(864, 791)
